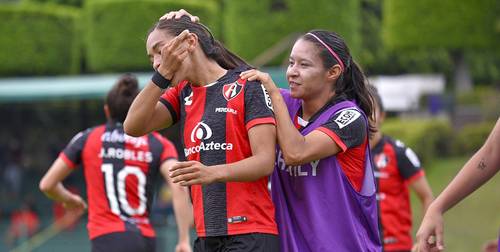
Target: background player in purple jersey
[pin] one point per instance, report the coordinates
(323, 186)
(119, 173)
(228, 134)
(397, 168)
(482, 166)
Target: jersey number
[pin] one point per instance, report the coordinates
(122, 201)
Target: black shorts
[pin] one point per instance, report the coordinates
(254, 242)
(127, 241)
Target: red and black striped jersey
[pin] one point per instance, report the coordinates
(120, 171)
(396, 166)
(215, 120)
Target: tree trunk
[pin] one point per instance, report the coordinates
(461, 73)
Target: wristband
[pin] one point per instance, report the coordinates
(160, 81)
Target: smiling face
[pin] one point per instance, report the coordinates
(306, 74)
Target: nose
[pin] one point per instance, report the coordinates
(156, 61)
(291, 71)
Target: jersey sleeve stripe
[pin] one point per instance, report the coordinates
(415, 176)
(256, 121)
(67, 160)
(173, 112)
(334, 137)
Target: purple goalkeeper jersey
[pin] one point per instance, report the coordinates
(317, 209)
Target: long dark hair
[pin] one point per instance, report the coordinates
(212, 48)
(352, 83)
(120, 97)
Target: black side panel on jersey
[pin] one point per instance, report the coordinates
(156, 148)
(405, 165)
(214, 195)
(74, 148)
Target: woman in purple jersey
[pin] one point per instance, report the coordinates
(323, 186)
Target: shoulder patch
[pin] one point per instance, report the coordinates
(269, 104)
(346, 117)
(412, 157)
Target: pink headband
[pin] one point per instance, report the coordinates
(330, 50)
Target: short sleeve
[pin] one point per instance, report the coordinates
(72, 153)
(347, 128)
(408, 162)
(171, 100)
(258, 107)
(169, 151)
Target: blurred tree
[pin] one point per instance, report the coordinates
(456, 26)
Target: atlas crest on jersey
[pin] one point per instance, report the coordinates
(231, 90)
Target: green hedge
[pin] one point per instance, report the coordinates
(39, 39)
(251, 27)
(429, 138)
(117, 29)
(445, 23)
(471, 138)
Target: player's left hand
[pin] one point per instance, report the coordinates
(193, 173)
(264, 78)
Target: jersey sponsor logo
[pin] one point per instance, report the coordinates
(189, 99)
(269, 104)
(229, 91)
(297, 170)
(226, 110)
(203, 132)
(346, 117)
(116, 136)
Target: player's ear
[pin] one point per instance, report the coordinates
(106, 111)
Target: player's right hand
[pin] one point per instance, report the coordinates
(430, 233)
(183, 247)
(75, 202)
(178, 14)
(173, 54)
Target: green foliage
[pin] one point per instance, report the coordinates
(487, 99)
(470, 138)
(117, 30)
(75, 3)
(39, 40)
(440, 24)
(429, 138)
(251, 27)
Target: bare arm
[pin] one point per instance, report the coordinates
(424, 192)
(483, 165)
(182, 208)
(146, 114)
(261, 163)
(52, 186)
(297, 149)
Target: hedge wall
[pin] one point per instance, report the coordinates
(39, 40)
(117, 29)
(430, 138)
(445, 23)
(250, 27)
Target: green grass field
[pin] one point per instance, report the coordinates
(474, 220)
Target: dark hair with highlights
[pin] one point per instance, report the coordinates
(212, 48)
(120, 97)
(352, 83)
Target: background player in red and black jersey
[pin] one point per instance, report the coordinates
(119, 172)
(397, 168)
(228, 134)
